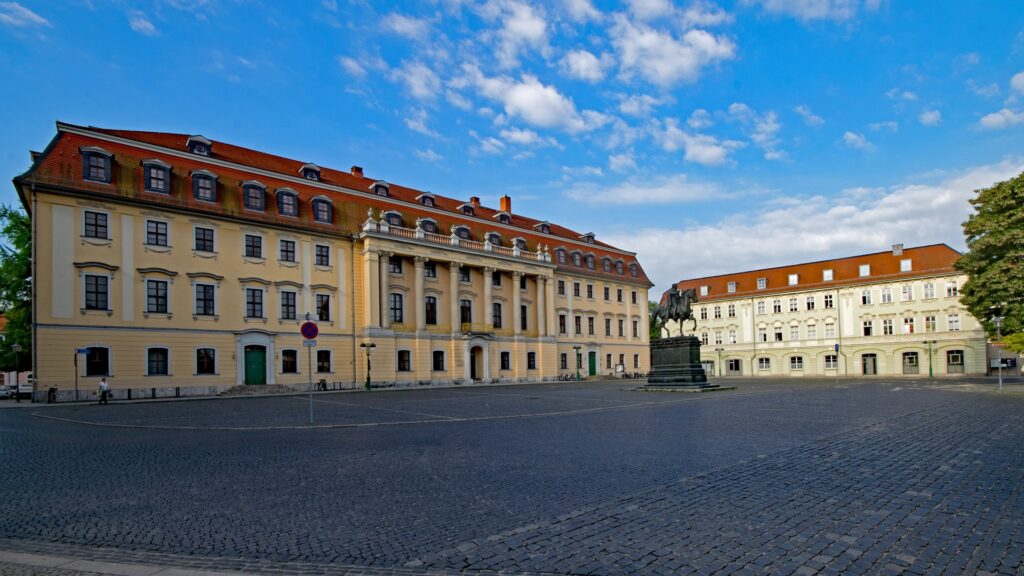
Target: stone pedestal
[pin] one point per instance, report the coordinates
(675, 362)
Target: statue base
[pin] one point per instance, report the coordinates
(675, 363)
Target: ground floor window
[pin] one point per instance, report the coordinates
(796, 362)
(289, 362)
(506, 361)
(156, 361)
(206, 361)
(955, 361)
(563, 361)
(831, 362)
(608, 361)
(911, 363)
(97, 362)
(323, 361)
(733, 366)
(636, 360)
(764, 363)
(438, 361)
(531, 360)
(404, 361)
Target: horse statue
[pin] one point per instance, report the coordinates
(677, 307)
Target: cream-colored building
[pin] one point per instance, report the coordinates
(179, 265)
(894, 313)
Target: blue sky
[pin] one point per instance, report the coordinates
(754, 132)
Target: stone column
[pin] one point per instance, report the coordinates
(488, 280)
(549, 305)
(629, 318)
(516, 303)
(371, 290)
(542, 325)
(453, 294)
(385, 289)
(419, 306)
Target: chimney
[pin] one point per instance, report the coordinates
(897, 249)
(357, 171)
(506, 203)
(474, 201)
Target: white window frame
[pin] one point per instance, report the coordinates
(110, 291)
(170, 291)
(263, 245)
(330, 259)
(216, 302)
(110, 223)
(298, 364)
(280, 304)
(195, 360)
(906, 265)
(953, 322)
(762, 283)
(145, 232)
(796, 363)
(731, 287)
(316, 360)
(794, 279)
(245, 302)
(864, 270)
(205, 227)
(170, 358)
(827, 275)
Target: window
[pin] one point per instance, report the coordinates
(496, 278)
(427, 200)
(731, 311)
(908, 325)
(323, 307)
(96, 292)
(561, 324)
(590, 291)
(590, 262)
(905, 265)
(887, 327)
(522, 282)
(954, 322)
(404, 361)
(430, 269)
(97, 361)
(704, 313)
(830, 330)
(205, 300)
(907, 293)
(288, 305)
(462, 232)
(929, 291)
(810, 302)
(287, 204)
(865, 270)
(607, 293)
(287, 251)
(865, 296)
(253, 246)
(607, 326)
(494, 239)
(156, 177)
(253, 197)
(395, 264)
(868, 328)
(762, 335)
(718, 311)
(531, 360)
(608, 361)
(760, 307)
(826, 275)
(952, 290)
(929, 324)
(561, 287)
(467, 209)
(96, 166)
(95, 225)
(732, 335)
(777, 306)
(156, 233)
(606, 264)
(632, 296)
(466, 311)
(796, 362)
(731, 287)
(621, 324)
(828, 301)
(812, 331)
(762, 283)
(393, 219)
(203, 239)
(778, 333)
(590, 326)
(206, 361)
(561, 255)
(322, 211)
(911, 363)
(464, 274)
(636, 360)
(703, 290)
(576, 289)
(794, 333)
(524, 317)
(578, 320)
(563, 361)
(793, 305)
(430, 310)
(764, 363)
(156, 362)
(505, 361)
(156, 296)
(322, 255)
(323, 361)
(794, 279)
(955, 361)
(718, 337)
(618, 295)
(831, 361)
(704, 338)
(253, 303)
(545, 229)
(437, 361)
(886, 295)
(428, 225)
(204, 187)
(496, 314)
(289, 362)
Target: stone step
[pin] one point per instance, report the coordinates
(255, 390)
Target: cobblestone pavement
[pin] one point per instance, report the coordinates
(777, 478)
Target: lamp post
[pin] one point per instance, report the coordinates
(368, 348)
(931, 372)
(998, 321)
(579, 361)
(719, 350)
(17, 387)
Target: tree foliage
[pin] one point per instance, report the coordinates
(994, 262)
(16, 287)
(654, 324)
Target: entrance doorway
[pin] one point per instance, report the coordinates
(911, 364)
(592, 358)
(476, 358)
(709, 367)
(733, 367)
(870, 363)
(255, 364)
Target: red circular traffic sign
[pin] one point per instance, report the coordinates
(309, 330)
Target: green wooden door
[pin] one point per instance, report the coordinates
(593, 363)
(255, 365)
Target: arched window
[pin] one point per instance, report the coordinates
(204, 186)
(577, 259)
(561, 255)
(618, 267)
(494, 238)
(428, 225)
(468, 210)
(157, 176)
(520, 243)
(590, 262)
(633, 270)
(253, 196)
(323, 211)
(393, 218)
(504, 218)
(462, 232)
(287, 203)
(606, 264)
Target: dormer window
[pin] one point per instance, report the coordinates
(428, 225)
(606, 264)
(253, 196)
(561, 255)
(157, 176)
(380, 188)
(588, 237)
(503, 217)
(393, 218)
(96, 164)
(287, 202)
(618, 267)
(519, 243)
(199, 145)
(634, 271)
(204, 186)
(462, 232)
(590, 262)
(467, 209)
(310, 172)
(322, 211)
(427, 199)
(543, 227)
(577, 259)
(494, 239)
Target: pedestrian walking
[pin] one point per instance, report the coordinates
(104, 390)
(51, 395)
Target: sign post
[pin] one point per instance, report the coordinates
(309, 331)
(837, 365)
(77, 352)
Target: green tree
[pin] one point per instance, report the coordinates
(16, 288)
(994, 263)
(654, 325)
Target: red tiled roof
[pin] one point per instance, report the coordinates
(60, 165)
(925, 261)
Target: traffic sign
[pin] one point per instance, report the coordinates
(309, 330)
(837, 347)
(309, 343)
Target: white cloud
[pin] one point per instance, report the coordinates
(896, 94)
(697, 148)
(417, 122)
(584, 171)
(807, 10)
(699, 119)
(522, 27)
(985, 91)
(639, 105)
(428, 155)
(649, 9)
(330, 5)
(581, 10)
(885, 125)
(763, 129)
(139, 23)
(406, 26)
(965, 61)
(1017, 82)
(851, 222)
(1001, 119)
(700, 13)
(458, 100)
(663, 59)
(15, 15)
(535, 103)
(360, 68)
(621, 162)
(419, 79)
(526, 137)
(583, 65)
(810, 118)
(650, 190)
(857, 141)
(930, 117)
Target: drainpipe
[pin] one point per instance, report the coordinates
(352, 306)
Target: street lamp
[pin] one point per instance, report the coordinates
(368, 348)
(719, 350)
(17, 388)
(931, 372)
(998, 321)
(579, 360)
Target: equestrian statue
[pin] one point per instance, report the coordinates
(676, 306)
